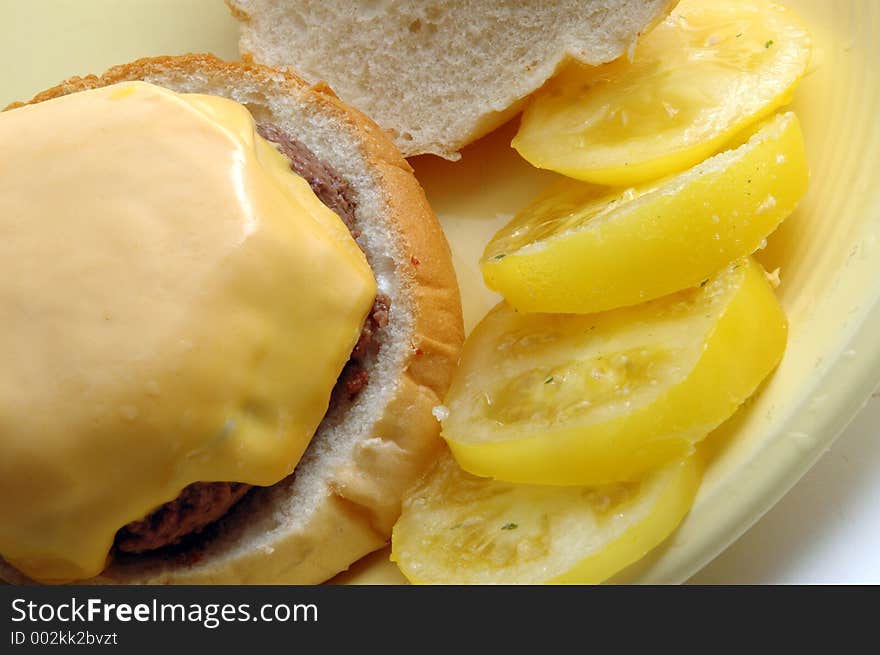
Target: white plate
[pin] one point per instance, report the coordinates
(829, 251)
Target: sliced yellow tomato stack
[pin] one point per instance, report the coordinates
(600, 414)
(585, 423)
(708, 71)
(584, 249)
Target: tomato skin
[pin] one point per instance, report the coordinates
(729, 361)
(580, 249)
(458, 529)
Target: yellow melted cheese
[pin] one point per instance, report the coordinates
(175, 306)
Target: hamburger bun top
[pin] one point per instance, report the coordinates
(439, 75)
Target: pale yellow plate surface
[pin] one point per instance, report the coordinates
(828, 252)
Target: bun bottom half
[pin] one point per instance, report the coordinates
(345, 494)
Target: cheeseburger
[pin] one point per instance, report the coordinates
(226, 312)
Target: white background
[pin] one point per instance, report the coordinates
(826, 530)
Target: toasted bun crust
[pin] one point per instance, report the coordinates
(345, 494)
(439, 74)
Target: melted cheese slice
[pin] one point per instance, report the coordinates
(175, 306)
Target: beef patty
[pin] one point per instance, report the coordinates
(203, 503)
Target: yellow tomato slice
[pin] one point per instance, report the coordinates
(596, 398)
(460, 529)
(709, 70)
(583, 249)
